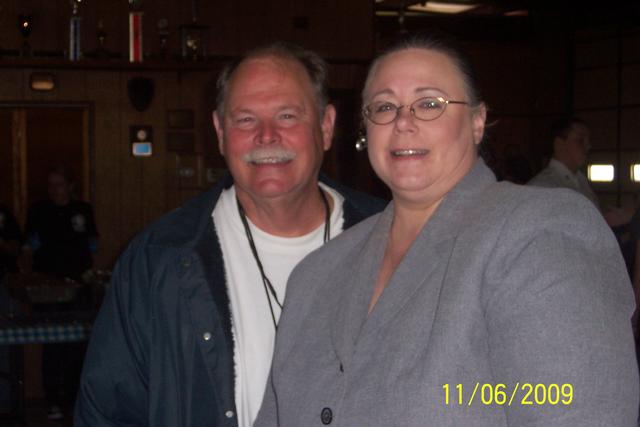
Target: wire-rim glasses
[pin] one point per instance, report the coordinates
(425, 109)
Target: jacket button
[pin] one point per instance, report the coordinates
(206, 336)
(186, 262)
(229, 414)
(326, 416)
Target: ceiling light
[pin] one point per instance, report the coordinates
(635, 172)
(442, 7)
(521, 12)
(601, 173)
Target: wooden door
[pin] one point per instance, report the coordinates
(35, 138)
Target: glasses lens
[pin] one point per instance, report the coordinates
(428, 108)
(381, 112)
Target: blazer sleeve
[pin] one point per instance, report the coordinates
(558, 304)
(114, 383)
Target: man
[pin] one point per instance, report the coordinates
(186, 333)
(10, 241)
(62, 234)
(61, 230)
(570, 150)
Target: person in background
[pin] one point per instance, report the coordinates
(61, 230)
(61, 235)
(10, 242)
(186, 332)
(570, 149)
(465, 298)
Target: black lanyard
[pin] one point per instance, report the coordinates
(269, 290)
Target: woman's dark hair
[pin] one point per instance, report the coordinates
(438, 42)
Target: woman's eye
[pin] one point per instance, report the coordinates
(384, 107)
(429, 104)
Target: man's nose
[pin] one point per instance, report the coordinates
(268, 133)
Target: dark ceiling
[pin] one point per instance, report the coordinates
(500, 19)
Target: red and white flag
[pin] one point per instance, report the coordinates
(135, 37)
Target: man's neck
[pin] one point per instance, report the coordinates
(572, 168)
(288, 215)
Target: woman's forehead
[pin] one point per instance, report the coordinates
(415, 67)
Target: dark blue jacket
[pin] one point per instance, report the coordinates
(161, 350)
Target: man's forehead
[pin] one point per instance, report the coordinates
(580, 129)
(268, 73)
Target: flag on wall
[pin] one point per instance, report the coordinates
(135, 37)
(74, 38)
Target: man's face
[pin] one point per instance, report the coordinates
(270, 134)
(577, 145)
(59, 189)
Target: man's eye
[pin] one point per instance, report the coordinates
(287, 116)
(244, 120)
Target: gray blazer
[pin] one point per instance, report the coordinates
(505, 285)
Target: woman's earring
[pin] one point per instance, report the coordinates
(361, 142)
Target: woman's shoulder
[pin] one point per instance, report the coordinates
(508, 197)
(340, 248)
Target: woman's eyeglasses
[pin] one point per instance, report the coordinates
(426, 109)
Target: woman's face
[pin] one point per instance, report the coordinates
(421, 161)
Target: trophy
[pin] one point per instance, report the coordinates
(74, 31)
(25, 22)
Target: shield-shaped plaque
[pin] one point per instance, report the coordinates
(141, 90)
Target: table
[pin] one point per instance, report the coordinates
(19, 330)
(43, 328)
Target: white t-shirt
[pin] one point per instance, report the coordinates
(251, 320)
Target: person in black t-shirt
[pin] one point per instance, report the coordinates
(62, 233)
(10, 241)
(61, 230)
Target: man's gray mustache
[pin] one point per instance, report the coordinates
(271, 155)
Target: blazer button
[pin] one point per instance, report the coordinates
(206, 336)
(229, 414)
(326, 416)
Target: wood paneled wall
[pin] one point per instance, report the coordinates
(337, 29)
(130, 192)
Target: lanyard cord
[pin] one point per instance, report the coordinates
(269, 290)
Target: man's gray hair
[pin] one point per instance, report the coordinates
(314, 65)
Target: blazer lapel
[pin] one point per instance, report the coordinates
(354, 283)
(424, 267)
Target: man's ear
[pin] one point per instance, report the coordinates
(558, 144)
(478, 121)
(328, 123)
(217, 124)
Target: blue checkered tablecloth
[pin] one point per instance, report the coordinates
(25, 330)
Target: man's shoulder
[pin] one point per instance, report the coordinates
(357, 204)
(547, 177)
(337, 249)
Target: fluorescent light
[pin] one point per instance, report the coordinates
(635, 172)
(601, 173)
(520, 12)
(442, 7)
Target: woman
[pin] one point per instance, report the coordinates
(466, 302)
